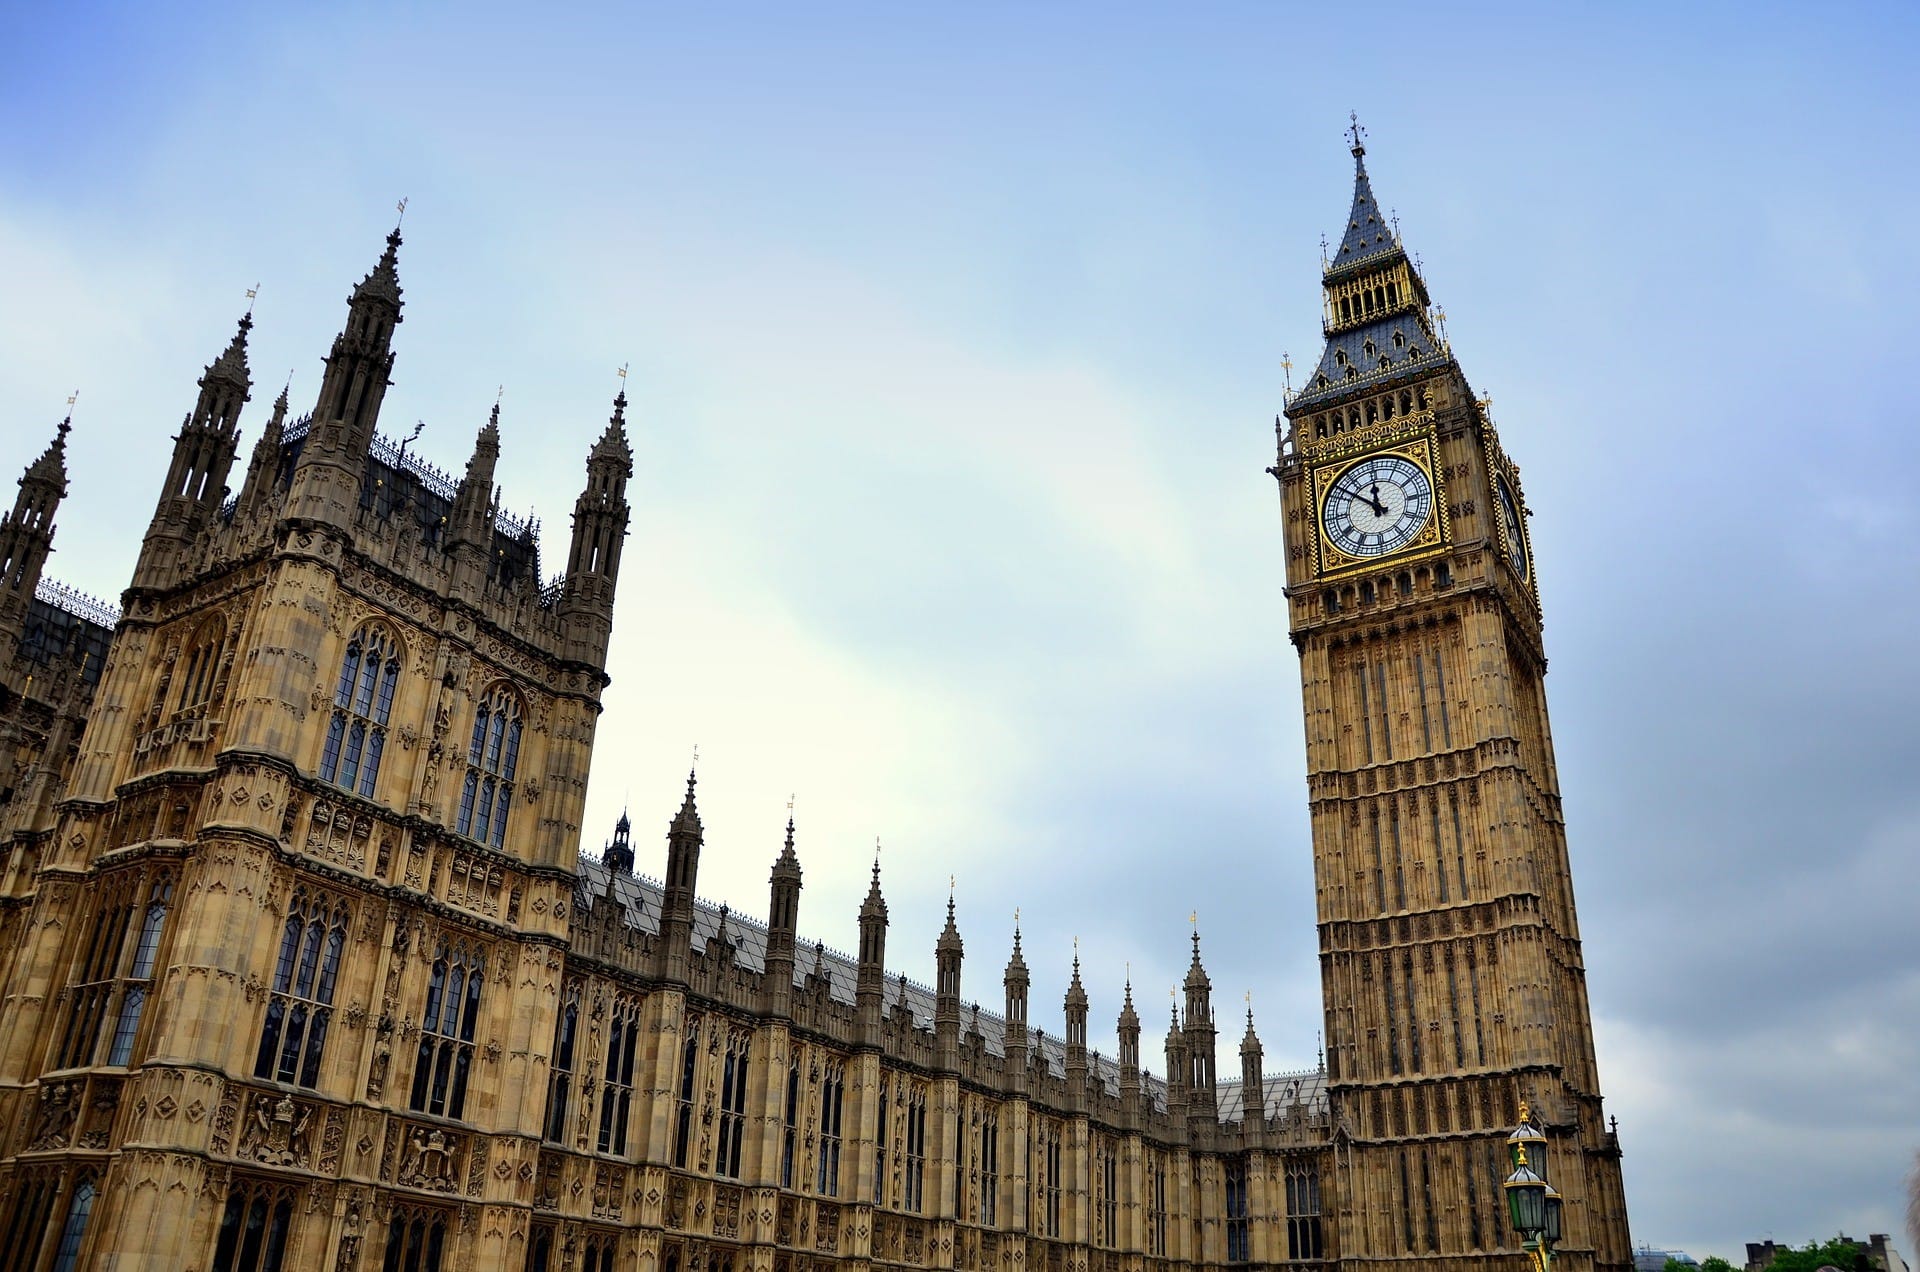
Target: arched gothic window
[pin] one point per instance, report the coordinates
(300, 1004)
(253, 1229)
(362, 701)
(416, 1238)
(446, 1033)
(66, 1256)
(203, 662)
(560, 1077)
(492, 757)
(616, 1094)
(116, 969)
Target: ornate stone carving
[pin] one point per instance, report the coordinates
(53, 1121)
(276, 1132)
(428, 1162)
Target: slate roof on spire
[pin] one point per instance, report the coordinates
(1076, 992)
(1250, 1045)
(1128, 1016)
(1368, 233)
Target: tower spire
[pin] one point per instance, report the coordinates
(203, 454)
(26, 535)
(333, 459)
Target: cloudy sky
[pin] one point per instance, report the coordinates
(956, 339)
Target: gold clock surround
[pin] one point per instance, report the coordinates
(1434, 537)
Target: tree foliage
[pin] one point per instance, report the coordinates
(1714, 1263)
(1834, 1252)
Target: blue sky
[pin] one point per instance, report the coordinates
(955, 339)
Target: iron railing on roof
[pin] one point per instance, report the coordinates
(395, 456)
(76, 602)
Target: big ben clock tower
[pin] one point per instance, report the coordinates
(1449, 950)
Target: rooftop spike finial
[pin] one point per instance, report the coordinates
(1356, 134)
(400, 214)
(253, 294)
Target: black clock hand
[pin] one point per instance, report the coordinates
(1379, 509)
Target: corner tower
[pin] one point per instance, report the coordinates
(1450, 953)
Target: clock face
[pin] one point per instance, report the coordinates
(1510, 522)
(1377, 506)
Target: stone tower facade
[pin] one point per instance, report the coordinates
(283, 945)
(1450, 953)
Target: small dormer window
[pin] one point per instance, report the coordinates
(1399, 339)
(1353, 373)
(1368, 348)
(1414, 352)
(1340, 356)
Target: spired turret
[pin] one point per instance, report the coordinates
(870, 983)
(618, 855)
(263, 466)
(470, 520)
(600, 517)
(1200, 1035)
(203, 452)
(26, 537)
(684, 839)
(333, 461)
(783, 921)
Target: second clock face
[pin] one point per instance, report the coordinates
(1510, 523)
(1377, 506)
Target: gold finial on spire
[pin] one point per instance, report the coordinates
(1286, 375)
(1356, 133)
(71, 399)
(253, 293)
(499, 392)
(1323, 251)
(622, 373)
(790, 808)
(401, 209)
(1440, 319)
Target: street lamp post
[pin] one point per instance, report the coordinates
(1533, 1205)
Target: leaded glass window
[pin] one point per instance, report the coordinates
(300, 998)
(362, 701)
(493, 755)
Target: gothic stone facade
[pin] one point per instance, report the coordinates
(303, 967)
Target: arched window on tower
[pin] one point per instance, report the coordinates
(362, 701)
(300, 1001)
(204, 652)
(447, 1027)
(66, 1255)
(493, 755)
(253, 1228)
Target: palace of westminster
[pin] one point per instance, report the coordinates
(302, 965)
